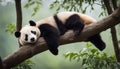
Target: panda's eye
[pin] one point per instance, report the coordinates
(26, 37)
(34, 32)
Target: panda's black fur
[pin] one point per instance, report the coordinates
(51, 36)
(73, 22)
(76, 22)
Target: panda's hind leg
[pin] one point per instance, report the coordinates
(97, 41)
(74, 22)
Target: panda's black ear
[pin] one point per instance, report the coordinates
(17, 34)
(32, 23)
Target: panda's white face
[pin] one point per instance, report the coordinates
(29, 34)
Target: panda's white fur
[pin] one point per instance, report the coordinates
(26, 30)
(49, 20)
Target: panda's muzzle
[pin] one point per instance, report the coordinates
(32, 39)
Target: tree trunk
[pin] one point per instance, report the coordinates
(113, 30)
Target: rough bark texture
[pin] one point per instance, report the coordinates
(28, 51)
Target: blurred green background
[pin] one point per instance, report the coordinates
(45, 60)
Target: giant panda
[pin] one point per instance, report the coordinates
(28, 34)
(51, 28)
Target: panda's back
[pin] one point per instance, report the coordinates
(49, 20)
(87, 19)
(63, 16)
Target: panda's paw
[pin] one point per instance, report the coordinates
(102, 47)
(54, 51)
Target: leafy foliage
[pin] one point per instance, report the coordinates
(28, 64)
(77, 5)
(10, 28)
(36, 3)
(93, 59)
(69, 5)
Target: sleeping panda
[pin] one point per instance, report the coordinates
(51, 28)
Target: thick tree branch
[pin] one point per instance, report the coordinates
(30, 50)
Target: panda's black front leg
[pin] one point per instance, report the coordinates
(51, 36)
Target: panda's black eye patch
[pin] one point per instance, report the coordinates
(26, 37)
(34, 32)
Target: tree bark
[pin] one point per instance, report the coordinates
(30, 50)
(113, 29)
(114, 3)
(1, 65)
(18, 15)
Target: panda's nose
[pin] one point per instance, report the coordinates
(32, 39)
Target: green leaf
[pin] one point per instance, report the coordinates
(10, 28)
(71, 56)
(35, 4)
(28, 64)
(94, 51)
(66, 55)
(26, 5)
(39, 2)
(35, 9)
(84, 61)
(29, 0)
(88, 45)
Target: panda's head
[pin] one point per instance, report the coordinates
(28, 34)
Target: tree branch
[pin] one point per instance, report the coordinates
(114, 3)
(30, 50)
(18, 15)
